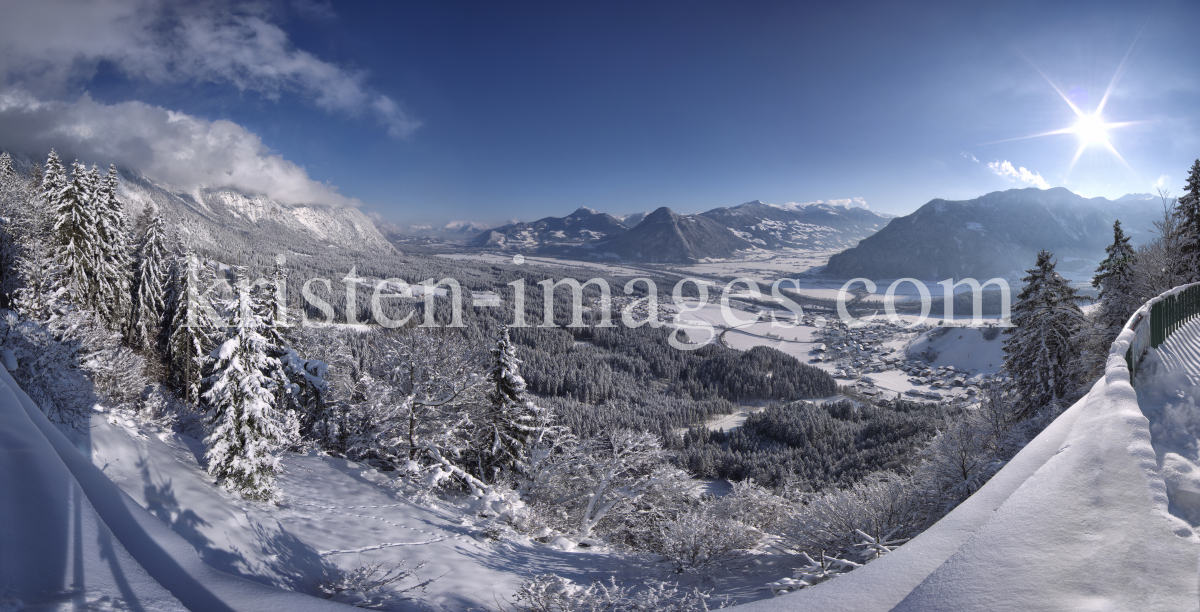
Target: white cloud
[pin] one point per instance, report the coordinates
(970, 156)
(1163, 181)
(1006, 170)
(170, 147)
(46, 46)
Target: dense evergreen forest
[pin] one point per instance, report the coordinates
(810, 446)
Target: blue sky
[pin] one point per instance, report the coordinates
(432, 111)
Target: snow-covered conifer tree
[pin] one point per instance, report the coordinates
(1114, 279)
(113, 261)
(1039, 347)
(150, 286)
(1187, 211)
(245, 431)
(75, 231)
(193, 325)
(11, 192)
(54, 181)
(510, 426)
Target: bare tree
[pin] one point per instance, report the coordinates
(1159, 264)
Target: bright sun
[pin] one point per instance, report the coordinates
(1091, 129)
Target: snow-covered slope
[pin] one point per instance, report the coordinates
(228, 218)
(1086, 517)
(968, 349)
(72, 538)
(142, 522)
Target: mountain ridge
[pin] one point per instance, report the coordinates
(997, 234)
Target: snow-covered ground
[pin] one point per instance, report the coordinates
(142, 526)
(74, 540)
(1086, 517)
(967, 349)
(336, 514)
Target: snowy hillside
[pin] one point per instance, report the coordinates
(225, 217)
(968, 349)
(144, 526)
(85, 543)
(1087, 516)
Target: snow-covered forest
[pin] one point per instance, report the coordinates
(571, 437)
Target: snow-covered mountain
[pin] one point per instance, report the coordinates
(226, 218)
(678, 238)
(817, 225)
(453, 229)
(667, 237)
(997, 234)
(580, 227)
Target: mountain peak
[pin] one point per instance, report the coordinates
(584, 211)
(1136, 197)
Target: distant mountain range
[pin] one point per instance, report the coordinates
(667, 237)
(997, 234)
(664, 236)
(453, 229)
(806, 226)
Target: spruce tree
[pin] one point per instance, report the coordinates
(113, 261)
(511, 426)
(1114, 279)
(193, 327)
(1187, 213)
(54, 181)
(75, 232)
(1039, 348)
(150, 287)
(12, 196)
(245, 431)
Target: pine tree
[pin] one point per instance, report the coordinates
(294, 386)
(75, 231)
(10, 248)
(113, 262)
(245, 431)
(1114, 279)
(1187, 212)
(150, 287)
(193, 325)
(1039, 348)
(54, 183)
(511, 426)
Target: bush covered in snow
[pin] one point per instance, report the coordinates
(697, 540)
(550, 593)
(370, 585)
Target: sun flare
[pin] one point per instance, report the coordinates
(1091, 129)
